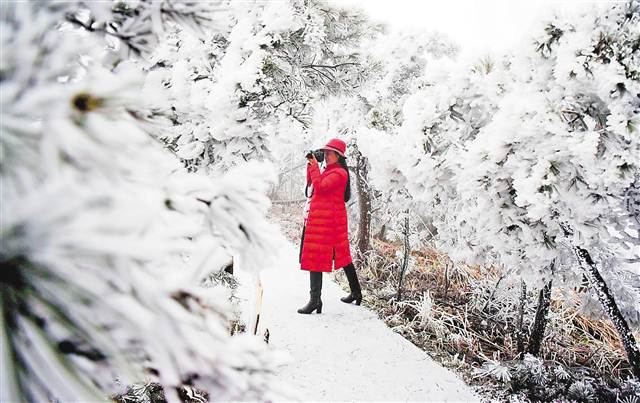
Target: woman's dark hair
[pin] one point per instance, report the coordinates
(347, 190)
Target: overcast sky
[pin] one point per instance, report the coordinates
(479, 26)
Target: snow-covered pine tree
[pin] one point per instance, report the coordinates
(398, 61)
(105, 235)
(455, 102)
(552, 172)
(402, 59)
(529, 160)
(225, 97)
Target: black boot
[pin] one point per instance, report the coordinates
(354, 285)
(315, 303)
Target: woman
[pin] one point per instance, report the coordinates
(325, 244)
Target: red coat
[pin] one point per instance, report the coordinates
(326, 236)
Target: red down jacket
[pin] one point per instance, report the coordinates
(326, 237)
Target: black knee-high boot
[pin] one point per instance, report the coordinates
(315, 303)
(354, 285)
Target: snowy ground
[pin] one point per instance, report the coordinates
(346, 353)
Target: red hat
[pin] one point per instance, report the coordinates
(336, 145)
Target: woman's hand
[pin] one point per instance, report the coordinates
(311, 159)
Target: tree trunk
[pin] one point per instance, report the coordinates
(364, 203)
(540, 321)
(405, 261)
(609, 305)
(520, 333)
(229, 267)
(381, 234)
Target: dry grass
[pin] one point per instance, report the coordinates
(464, 322)
(453, 312)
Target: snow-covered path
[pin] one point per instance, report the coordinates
(346, 353)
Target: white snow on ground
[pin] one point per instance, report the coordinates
(346, 353)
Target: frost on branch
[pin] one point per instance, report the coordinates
(134, 28)
(219, 101)
(105, 236)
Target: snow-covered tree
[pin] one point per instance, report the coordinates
(222, 99)
(451, 109)
(531, 161)
(105, 236)
(376, 113)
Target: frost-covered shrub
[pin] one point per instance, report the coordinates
(542, 380)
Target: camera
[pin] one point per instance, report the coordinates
(317, 153)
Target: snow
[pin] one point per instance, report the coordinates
(517, 161)
(345, 353)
